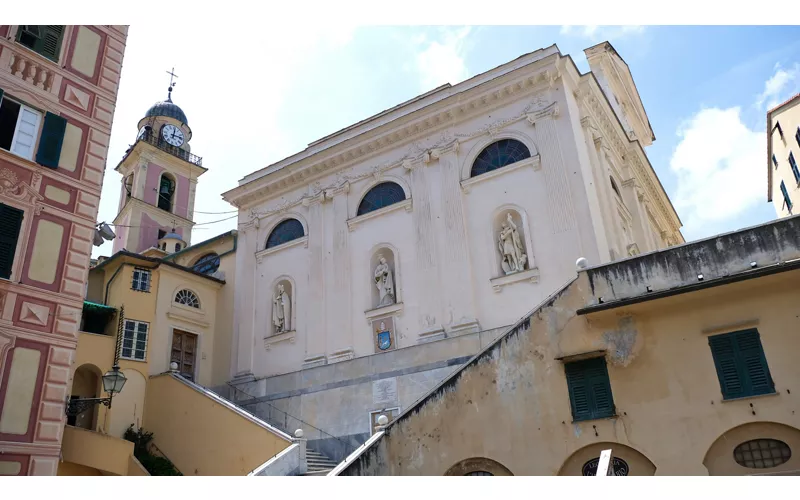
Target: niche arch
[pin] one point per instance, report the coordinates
(392, 256)
(86, 383)
(375, 182)
(520, 218)
(721, 461)
(486, 141)
(637, 463)
(166, 194)
(290, 287)
(478, 466)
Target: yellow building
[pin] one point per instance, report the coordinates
(161, 311)
(681, 362)
(783, 156)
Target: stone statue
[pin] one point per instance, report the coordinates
(512, 252)
(384, 282)
(281, 311)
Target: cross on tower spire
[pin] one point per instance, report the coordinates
(172, 83)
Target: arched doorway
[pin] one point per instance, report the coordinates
(478, 466)
(625, 460)
(755, 448)
(87, 383)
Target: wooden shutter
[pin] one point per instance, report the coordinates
(753, 363)
(10, 224)
(51, 140)
(723, 349)
(589, 389)
(49, 45)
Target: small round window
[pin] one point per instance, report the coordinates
(762, 453)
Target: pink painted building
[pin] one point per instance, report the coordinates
(58, 91)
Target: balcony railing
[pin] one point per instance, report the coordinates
(153, 137)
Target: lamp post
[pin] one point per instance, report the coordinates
(113, 382)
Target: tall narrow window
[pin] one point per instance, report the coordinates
(134, 340)
(786, 200)
(589, 389)
(128, 187)
(797, 136)
(775, 161)
(741, 365)
(166, 192)
(795, 171)
(44, 40)
(10, 225)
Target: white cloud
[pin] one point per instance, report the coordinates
(717, 165)
(781, 85)
(442, 60)
(602, 32)
(232, 98)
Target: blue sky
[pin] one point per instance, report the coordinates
(706, 91)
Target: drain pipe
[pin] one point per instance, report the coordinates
(105, 299)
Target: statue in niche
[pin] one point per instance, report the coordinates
(384, 282)
(512, 253)
(281, 311)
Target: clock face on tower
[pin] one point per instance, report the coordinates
(172, 135)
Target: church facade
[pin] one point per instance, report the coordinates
(382, 257)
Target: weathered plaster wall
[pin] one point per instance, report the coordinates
(514, 399)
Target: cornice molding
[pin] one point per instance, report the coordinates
(618, 142)
(391, 135)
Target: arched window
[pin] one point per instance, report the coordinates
(128, 186)
(614, 186)
(177, 247)
(286, 231)
(498, 155)
(207, 264)
(187, 298)
(166, 191)
(382, 195)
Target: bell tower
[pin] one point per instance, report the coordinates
(159, 177)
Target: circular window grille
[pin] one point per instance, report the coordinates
(762, 453)
(479, 473)
(187, 298)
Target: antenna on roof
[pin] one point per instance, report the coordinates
(172, 83)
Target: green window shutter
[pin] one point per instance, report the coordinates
(10, 224)
(589, 389)
(51, 141)
(578, 392)
(753, 363)
(723, 350)
(49, 44)
(597, 374)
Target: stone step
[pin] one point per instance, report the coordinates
(318, 472)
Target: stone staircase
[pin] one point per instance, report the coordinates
(318, 464)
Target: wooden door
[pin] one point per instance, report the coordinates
(184, 352)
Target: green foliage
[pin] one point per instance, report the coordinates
(155, 465)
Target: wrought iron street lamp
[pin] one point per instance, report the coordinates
(113, 382)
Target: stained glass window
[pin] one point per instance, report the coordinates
(498, 155)
(382, 195)
(286, 231)
(207, 264)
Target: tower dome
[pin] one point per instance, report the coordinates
(167, 108)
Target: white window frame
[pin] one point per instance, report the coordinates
(134, 339)
(37, 128)
(138, 283)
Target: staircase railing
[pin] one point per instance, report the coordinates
(317, 439)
